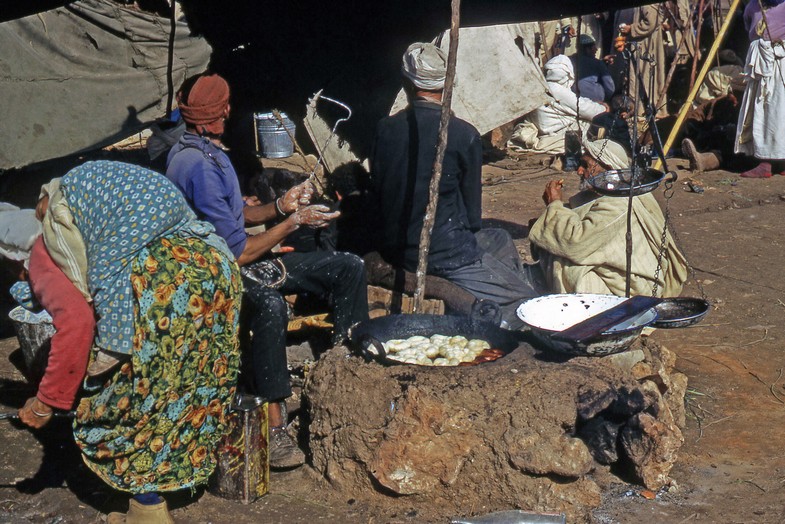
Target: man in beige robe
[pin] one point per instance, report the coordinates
(681, 35)
(647, 29)
(582, 247)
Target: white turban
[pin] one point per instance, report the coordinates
(608, 152)
(425, 65)
(559, 70)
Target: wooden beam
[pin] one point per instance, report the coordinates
(441, 147)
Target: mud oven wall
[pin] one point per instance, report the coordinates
(516, 433)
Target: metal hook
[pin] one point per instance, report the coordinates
(318, 96)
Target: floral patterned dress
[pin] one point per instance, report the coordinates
(155, 423)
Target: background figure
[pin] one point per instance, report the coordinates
(646, 28)
(759, 131)
(545, 127)
(722, 79)
(594, 81)
(681, 34)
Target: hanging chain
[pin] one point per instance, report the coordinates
(668, 194)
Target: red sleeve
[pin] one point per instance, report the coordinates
(74, 321)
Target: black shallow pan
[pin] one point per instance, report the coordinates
(366, 337)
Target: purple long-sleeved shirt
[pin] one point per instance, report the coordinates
(206, 177)
(775, 17)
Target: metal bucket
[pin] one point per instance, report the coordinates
(243, 470)
(273, 137)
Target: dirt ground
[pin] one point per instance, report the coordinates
(731, 468)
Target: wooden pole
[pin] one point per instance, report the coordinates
(441, 147)
(662, 98)
(170, 59)
(694, 91)
(701, 8)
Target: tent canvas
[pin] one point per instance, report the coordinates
(84, 76)
(497, 77)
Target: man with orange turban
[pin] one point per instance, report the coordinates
(198, 165)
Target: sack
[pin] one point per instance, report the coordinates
(267, 273)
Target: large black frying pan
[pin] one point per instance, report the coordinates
(366, 337)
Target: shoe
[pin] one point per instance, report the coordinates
(762, 171)
(104, 362)
(700, 161)
(139, 513)
(284, 453)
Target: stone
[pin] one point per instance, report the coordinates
(626, 359)
(652, 448)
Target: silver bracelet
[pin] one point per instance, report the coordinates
(40, 415)
(278, 208)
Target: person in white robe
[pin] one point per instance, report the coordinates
(581, 246)
(759, 130)
(544, 128)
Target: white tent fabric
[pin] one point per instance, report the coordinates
(84, 76)
(496, 81)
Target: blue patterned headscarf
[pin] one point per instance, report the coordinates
(120, 208)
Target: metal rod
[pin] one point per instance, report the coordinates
(441, 147)
(332, 132)
(57, 414)
(634, 161)
(694, 91)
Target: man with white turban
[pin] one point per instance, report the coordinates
(483, 262)
(566, 112)
(582, 246)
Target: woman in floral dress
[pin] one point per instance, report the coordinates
(166, 292)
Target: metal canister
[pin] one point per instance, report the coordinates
(243, 470)
(274, 135)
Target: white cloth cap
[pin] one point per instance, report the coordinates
(608, 152)
(559, 70)
(425, 65)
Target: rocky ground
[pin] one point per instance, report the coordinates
(731, 467)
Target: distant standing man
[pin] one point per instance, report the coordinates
(484, 262)
(759, 131)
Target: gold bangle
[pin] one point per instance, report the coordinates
(41, 415)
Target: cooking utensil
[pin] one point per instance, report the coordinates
(606, 319)
(680, 312)
(616, 182)
(366, 337)
(549, 314)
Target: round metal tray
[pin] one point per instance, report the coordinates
(616, 182)
(680, 312)
(550, 314)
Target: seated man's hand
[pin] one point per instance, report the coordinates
(552, 191)
(298, 196)
(314, 216)
(252, 201)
